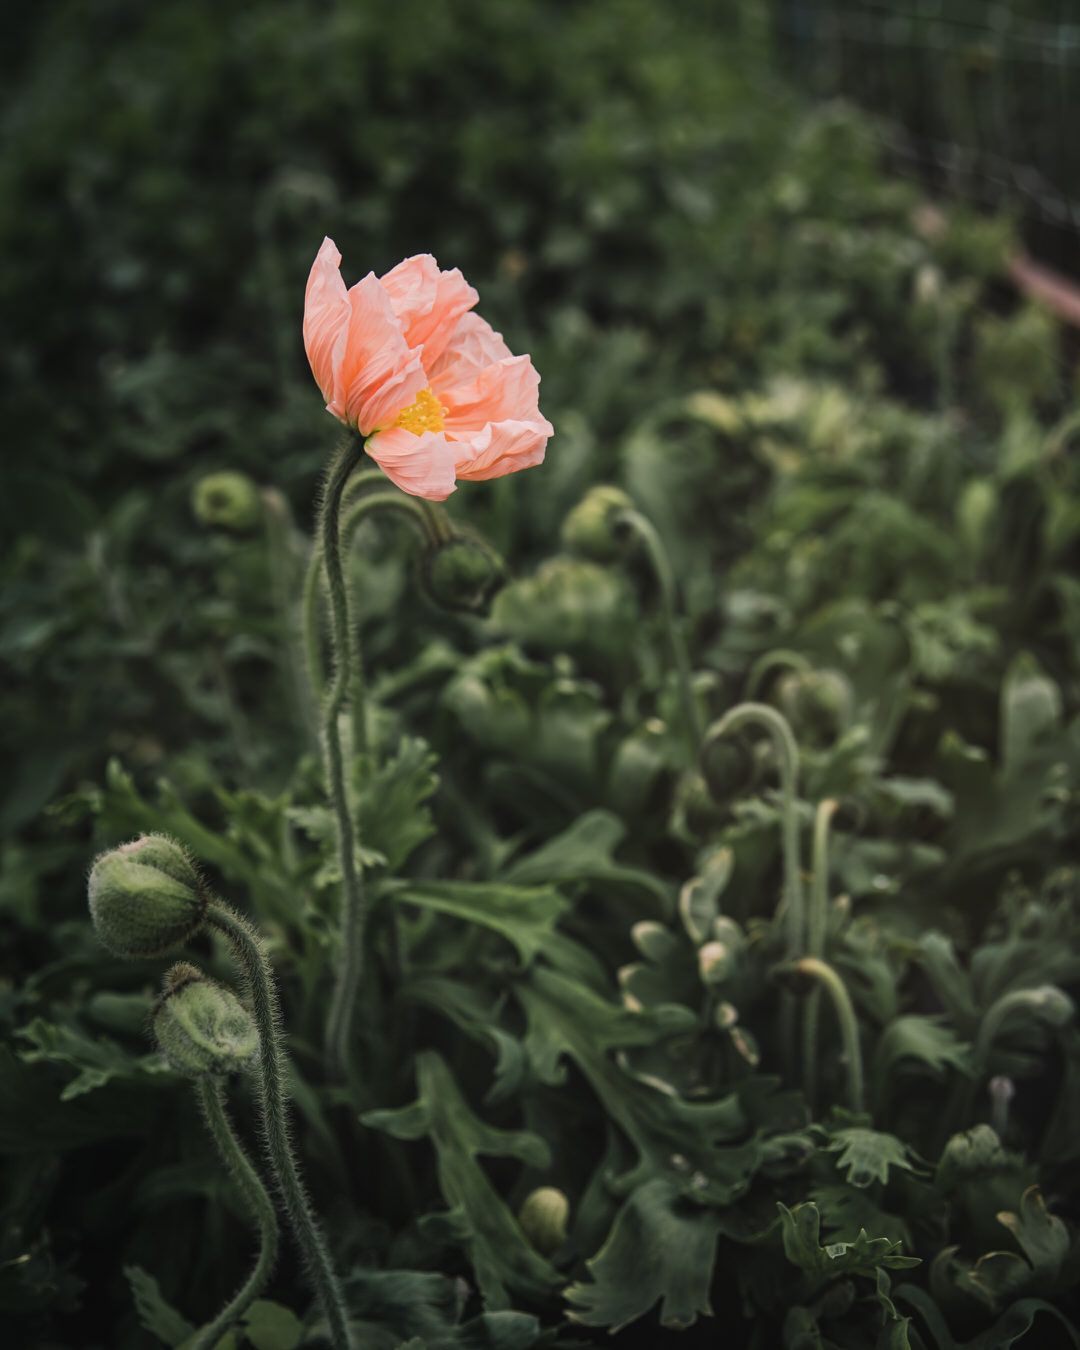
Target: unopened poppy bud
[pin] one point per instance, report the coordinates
(817, 703)
(145, 897)
(463, 574)
(543, 1217)
(229, 500)
(695, 807)
(592, 529)
(727, 766)
(201, 1027)
(972, 1153)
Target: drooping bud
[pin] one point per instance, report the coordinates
(543, 1217)
(145, 897)
(229, 500)
(818, 703)
(462, 574)
(728, 766)
(202, 1027)
(592, 528)
(715, 962)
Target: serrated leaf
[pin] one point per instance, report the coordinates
(498, 1250)
(659, 1249)
(801, 1233)
(918, 1041)
(525, 916)
(1042, 1236)
(867, 1155)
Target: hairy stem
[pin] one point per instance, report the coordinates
(250, 956)
(353, 907)
(211, 1095)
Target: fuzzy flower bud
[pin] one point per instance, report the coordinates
(202, 1027)
(728, 767)
(592, 530)
(463, 574)
(145, 897)
(543, 1217)
(230, 500)
(972, 1153)
(818, 704)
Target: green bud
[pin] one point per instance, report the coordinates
(818, 704)
(695, 811)
(543, 1217)
(229, 500)
(728, 766)
(592, 528)
(716, 961)
(463, 574)
(145, 897)
(202, 1027)
(972, 1153)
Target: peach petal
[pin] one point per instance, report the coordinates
(473, 345)
(376, 374)
(505, 390)
(421, 465)
(326, 316)
(503, 447)
(428, 302)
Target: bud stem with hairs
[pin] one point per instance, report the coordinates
(260, 1206)
(250, 956)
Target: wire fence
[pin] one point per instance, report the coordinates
(980, 100)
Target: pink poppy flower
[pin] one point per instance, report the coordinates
(432, 387)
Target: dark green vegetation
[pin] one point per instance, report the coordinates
(855, 444)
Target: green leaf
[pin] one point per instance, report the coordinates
(500, 1254)
(1030, 712)
(867, 1155)
(271, 1326)
(928, 1041)
(526, 917)
(157, 1316)
(1042, 1236)
(660, 1248)
(394, 820)
(801, 1232)
(97, 1061)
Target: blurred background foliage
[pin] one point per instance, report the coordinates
(853, 435)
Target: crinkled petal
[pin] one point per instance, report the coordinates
(376, 375)
(326, 317)
(502, 448)
(473, 346)
(507, 389)
(428, 302)
(420, 465)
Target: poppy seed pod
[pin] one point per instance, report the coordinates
(463, 574)
(201, 1027)
(145, 897)
(228, 499)
(543, 1216)
(592, 528)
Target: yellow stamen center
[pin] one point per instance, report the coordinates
(425, 414)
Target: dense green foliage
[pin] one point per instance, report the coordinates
(583, 971)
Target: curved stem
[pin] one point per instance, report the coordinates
(816, 923)
(251, 958)
(845, 1015)
(788, 752)
(769, 661)
(661, 565)
(353, 908)
(211, 1095)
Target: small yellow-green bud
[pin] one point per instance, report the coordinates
(227, 499)
(463, 574)
(543, 1217)
(592, 528)
(715, 962)
(202, 1027)
(971, 1154)
(145, 897)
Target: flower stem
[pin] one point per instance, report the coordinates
(646, 531)
(251, 958)
(212, 1100)
(816, 922)
(845, 1015)
(778, 659)
(354, 907)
